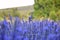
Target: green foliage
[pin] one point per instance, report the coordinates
(16, 14)
(47, 8)
(53, 15)
(58, 14)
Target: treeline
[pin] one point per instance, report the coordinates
(47, 9)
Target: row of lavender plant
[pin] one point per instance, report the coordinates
(29, 30)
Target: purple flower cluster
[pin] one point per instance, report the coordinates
(29, 30)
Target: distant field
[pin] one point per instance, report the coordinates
(18, 11)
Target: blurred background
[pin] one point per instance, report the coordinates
(22, 12)
(41, 9)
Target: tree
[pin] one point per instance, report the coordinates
(46, 8)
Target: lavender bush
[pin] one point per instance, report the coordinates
(29, 30)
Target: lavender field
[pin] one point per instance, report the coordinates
(29, 30)
(40, 21)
